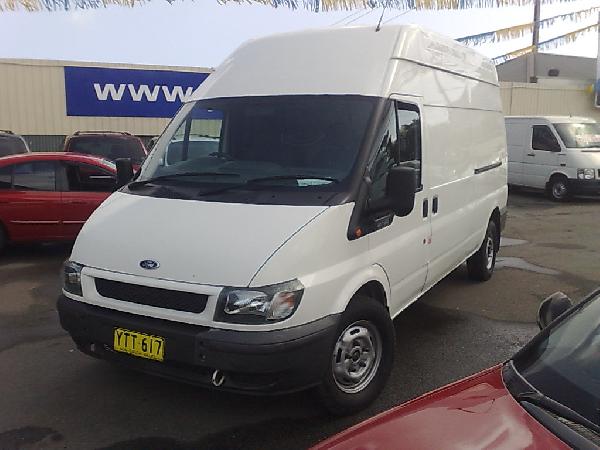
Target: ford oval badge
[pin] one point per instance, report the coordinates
(149, 264)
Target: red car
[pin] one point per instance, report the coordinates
(107, 144)
(546, 397)
(48, 196)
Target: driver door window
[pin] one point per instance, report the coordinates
(399, 145)
(543, 139)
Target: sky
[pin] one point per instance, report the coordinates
(203, 32)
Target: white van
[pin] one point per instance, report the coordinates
(555, 153)
(355, 169)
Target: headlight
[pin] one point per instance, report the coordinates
(72, 277)
(259, 305)
(586, 174)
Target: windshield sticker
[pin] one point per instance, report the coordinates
(587, 140)
(312, 182)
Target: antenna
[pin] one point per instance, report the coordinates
(380, 19)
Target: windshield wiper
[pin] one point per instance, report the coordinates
(135, 184)
(293, 177)
(540, 400)
(271, 178)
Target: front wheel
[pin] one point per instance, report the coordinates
(481, 265)
(361, 357)
(558, 189)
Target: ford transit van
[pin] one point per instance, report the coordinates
(352, 170)
(558, 154)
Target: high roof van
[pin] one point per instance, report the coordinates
(558, 154)
(353, 170)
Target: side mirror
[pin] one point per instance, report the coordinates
(124, 171)
(553, 307)
(402, 183)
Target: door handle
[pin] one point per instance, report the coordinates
(530, 154)
(73, 202)
(425, 208)
(434, 205)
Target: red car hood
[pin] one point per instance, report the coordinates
(475, 413)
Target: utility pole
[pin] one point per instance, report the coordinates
(597, 85)
(536, 25)
(536, 40)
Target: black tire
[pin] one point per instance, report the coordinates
(558, 189)
(481, 264)
(336, 391)
(3, 238)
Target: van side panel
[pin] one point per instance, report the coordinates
(464, 148)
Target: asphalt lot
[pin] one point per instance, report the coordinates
(54, 397)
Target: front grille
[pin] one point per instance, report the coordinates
(144, 295)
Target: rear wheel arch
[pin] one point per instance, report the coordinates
(495, 217)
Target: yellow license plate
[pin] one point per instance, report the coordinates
(139, 344)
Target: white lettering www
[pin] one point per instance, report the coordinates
(103, 92)
(177, 91)
(142, 92)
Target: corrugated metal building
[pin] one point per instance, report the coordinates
(47, 100)
(564, 85)
(547, 66)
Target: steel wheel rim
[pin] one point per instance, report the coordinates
(356, 357)
(559, 189)
(489, 249)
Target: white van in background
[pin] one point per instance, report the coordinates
(555, 153)
(354, 169)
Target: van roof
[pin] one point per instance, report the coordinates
(348, 60)
(556, 119)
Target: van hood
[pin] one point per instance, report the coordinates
(222, 244)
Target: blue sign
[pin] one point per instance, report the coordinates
(104, 92)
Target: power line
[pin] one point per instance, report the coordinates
(360, 17)
(399, 15)
(358, 11)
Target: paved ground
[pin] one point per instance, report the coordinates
(54, 397)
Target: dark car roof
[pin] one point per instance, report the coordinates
(57, 156)
(116, 134)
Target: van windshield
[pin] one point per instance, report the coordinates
(299, 142)
(579, 135)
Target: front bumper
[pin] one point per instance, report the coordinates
(584, 187)
(252, 361)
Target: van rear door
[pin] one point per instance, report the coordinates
(517, 139)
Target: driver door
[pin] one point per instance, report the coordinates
(400, 244)
(541, 158)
